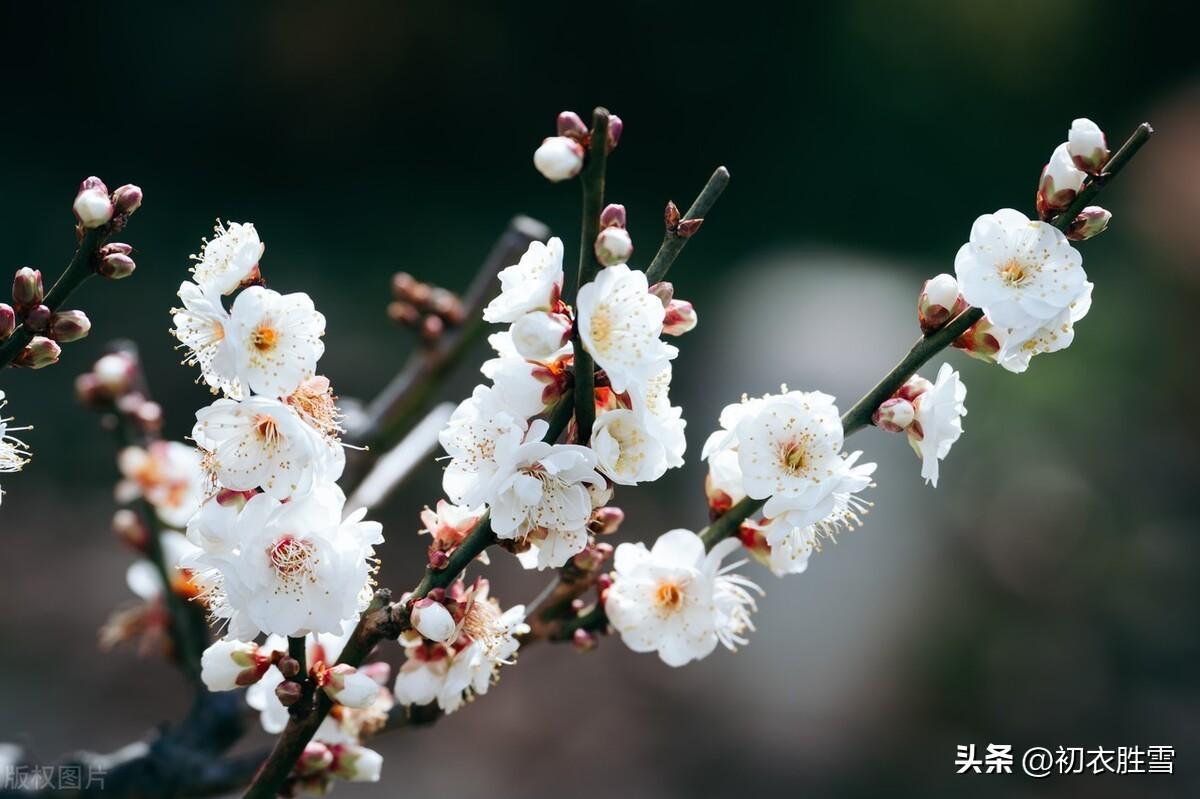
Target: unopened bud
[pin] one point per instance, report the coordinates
(613, 215)
(432, 328)
(40, 353)
(227, 497)
(127, 198)
(315, 759)
(671, 216)
(289, 692)
(613, 246)
(433, 621)
(584, 640)
(593, 557)
(981, 340)
(615, 128)
(894, 415)
(688, 228)
(357, 763)
(539, 334)
(116, 373)
(127, 526)
(404, 313)
(913, 388)
(149, 416)
(680, 317)
(750, 533)
(289, 667)
(1061, 181)
(350, 687)
(438, 559)
(93, 207)
(116, 266)
(226, 665)
(559, 158)
(38, 319)
(27, 290)
(1087, 146)
(8, 320)
(571, 126)
(68, 326)
(1091, 221)
(114, 248)
(937, 302)
(606, 520)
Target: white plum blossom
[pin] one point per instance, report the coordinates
(229, 259)
(626, 451)
(540, 335)
(1026, 277)
(677, 600)
(539, 494)
(202, 327)
(620, 323)
(168, 475)
(532, 284)
(222, 665)
(664, 421)
(938, 422)
(516, 386)
(480, 433)
(260, 442)
(558, 158)
(1017, 347)
(275, 339)
(14, 453)
(298, 567)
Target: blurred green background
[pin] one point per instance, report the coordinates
(1042, 595)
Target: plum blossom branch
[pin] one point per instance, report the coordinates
(680, 229)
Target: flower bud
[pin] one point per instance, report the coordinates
(914, 388)
(127, 526)
(539, 334)
(894, 415)
(593, 557)
(613, 246)
(433, 621)
(27, 292)
(347, 686)
(8, 320)
(40, 353)
(1087, 146)
(559, 158)
(93, 207)
(688, 228)
(615, 128)
(289, 692)
(936, 304)
(1091, 221)
(315, 759)
(38, 319)
(127, 198)
(606, 520)
(438, 559)
(68, 326)
(679, 318)
(613, 215)
(116, 373)
(750, 533)
(116, 266)
(1060, 182)
(357, 763)
(230, 664)
(981, 340)
(584, 640)
(571, 126)
(114, 248)
(664, 290)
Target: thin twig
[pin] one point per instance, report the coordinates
(390, 471)
(673, 241)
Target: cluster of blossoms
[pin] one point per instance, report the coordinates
(14, 453)
(274, 552)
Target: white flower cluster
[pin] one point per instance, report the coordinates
(14, 453)
(274, 553)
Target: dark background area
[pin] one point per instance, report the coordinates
(1044, 594)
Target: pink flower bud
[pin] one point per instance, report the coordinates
(229, 664)
(357, 763)
(1091, 221)
(915, 387)
(289, 692)
(680, 317)
(433, 621)
(93, 207)
(438, 559)
(227, 497)
(27, 289)
(894, 415)
(584, 640)
(37, 319)
(539, 334)
(981, 340)
(40, 353)
(114, 248)
(938, 302)
(8, 320)
(615, 128)
(68, 326)
(571, 126)
(116, 373)
(116, 266)
(1087, 146)
(613, 246)
(315, 759)
(127, 198)
(1060, 182)
(559, 158)
(606, 520)
(613, 215)
(664, 290)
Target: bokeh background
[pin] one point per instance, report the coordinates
(1044, 594)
